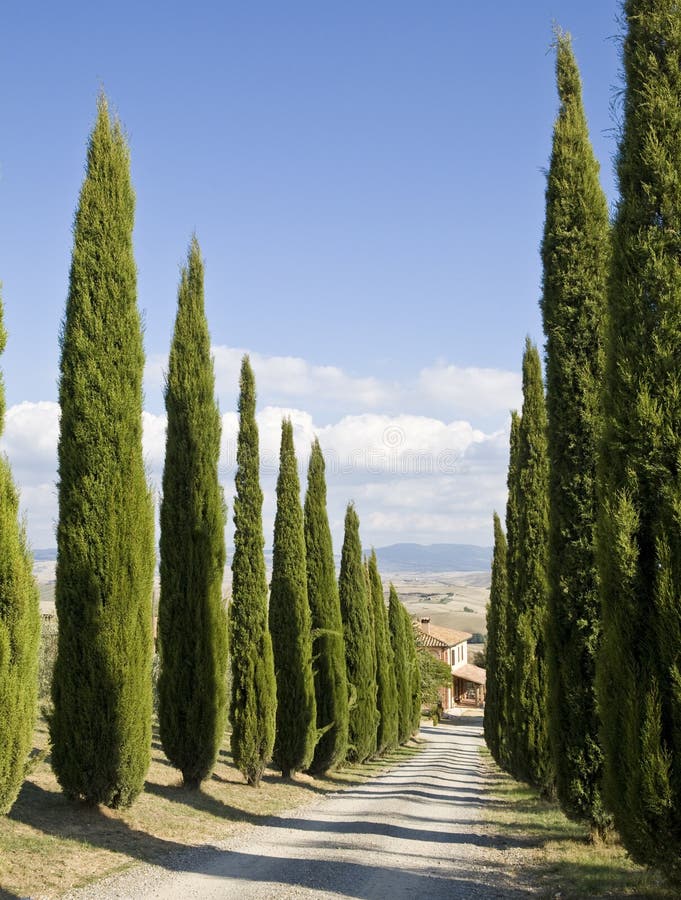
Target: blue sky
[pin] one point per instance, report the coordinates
(366, 182)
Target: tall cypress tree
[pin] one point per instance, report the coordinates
(101, 725)
(19, 632)
(414, 673)
(354, 601)
(372, 645)
(386, 686)
(531, 758)
(575, 255)
(398, 644)
(254, 693)
(192, 626)
(639, 670)
(331, 684)
(498, 661)
(507, 687)
(290, 623)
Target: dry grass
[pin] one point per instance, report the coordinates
(557, 853)
(49, 845)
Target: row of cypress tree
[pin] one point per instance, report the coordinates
(318, 681)
(318, 670)
(585, 617)
(541, 720)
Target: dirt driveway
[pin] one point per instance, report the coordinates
(416, 831)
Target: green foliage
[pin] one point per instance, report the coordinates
(398, 643)
(47, 655)
(253, 704)
(413, 673)
(434, 673)
(639, 542)
(19, 632)
(406, 665)
(359, 644)
(192, 625)
(101, 725)
(372, 643)
(571, 863)
(506, 687)
(530, 752)
(479, 658)
(331, 684)
(386, 686)
(497, 660)
(575, 254)
(290, 623)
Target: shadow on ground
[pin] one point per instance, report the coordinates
(349, 879)
(52, 814)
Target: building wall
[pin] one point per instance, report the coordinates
(459, 654)
(446, 693)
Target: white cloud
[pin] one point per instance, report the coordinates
(291, 376)
(30, 442)
(471, 391)
(414, 475)
(39, 511)
(404, 445)
(154, 442)
(442, 391)
(30, 438)
(281, 380)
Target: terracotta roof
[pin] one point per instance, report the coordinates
(436, 636)
(429, 640)
(470, 673)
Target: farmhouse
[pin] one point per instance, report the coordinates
(468, 681)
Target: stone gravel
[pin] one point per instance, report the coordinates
(416, 831)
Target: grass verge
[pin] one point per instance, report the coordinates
(49, 845)
(556, 853)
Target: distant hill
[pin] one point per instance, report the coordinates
(46, 555)
(395, 558)
(434, 558)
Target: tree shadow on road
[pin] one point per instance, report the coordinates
(93, 827)
(469, 835)
(203, 802)
(450, 798)
(51, 813)
(361, 881)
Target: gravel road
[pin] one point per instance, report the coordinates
(416, 831)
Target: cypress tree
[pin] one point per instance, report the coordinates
(101, 724)
(372, 645)
(192, 627)
(354, 601)
(19, 632)
(330, 678)
(575, 253)
(386, 686)
(639, 669)
(398, 643)
(414, 673)
(509, 625)
(290, 623)
(497, 647)
(529, 729)
(254, 694)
